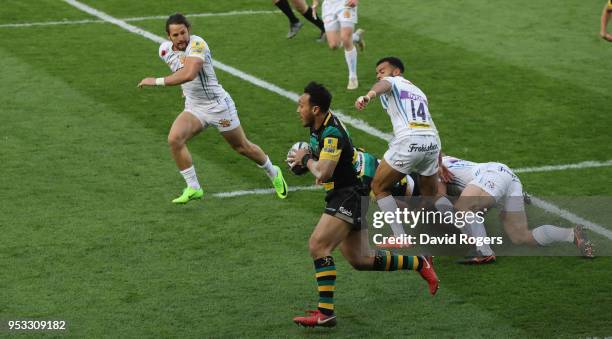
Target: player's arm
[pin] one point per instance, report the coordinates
(382, 86)
(189, 72)
(605, 18)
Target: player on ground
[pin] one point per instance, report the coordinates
(605, 18)
(415, 146)
(294, 23)
(340, 224)
(480, 186)
(206, 103)
(340, 18)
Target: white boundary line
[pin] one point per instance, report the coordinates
(265, 191)
(580, 165)
(142, 18)
(357, 123)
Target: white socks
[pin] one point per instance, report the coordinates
(388, 205)
(548, 234)
(477, 230)
(269, 168)
(351, 62)
(191, 178)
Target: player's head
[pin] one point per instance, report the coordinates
(389, 67)
(314, 102)
(178, 28)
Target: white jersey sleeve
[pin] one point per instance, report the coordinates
(197, 48)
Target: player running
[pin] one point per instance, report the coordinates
(206, 103)
(605, 19)
(481, 186)
(294, 23)
(415, 146)
(340, 224)
(340, 18)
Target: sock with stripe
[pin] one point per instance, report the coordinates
(326, 282)
(388, 261)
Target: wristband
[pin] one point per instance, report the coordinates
(305, 159)
(160, 82)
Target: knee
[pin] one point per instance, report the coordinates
(175, 140)
(317, 248)
(347, 44)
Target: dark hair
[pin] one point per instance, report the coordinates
(393, 61)
(177, 19)
(319, 96)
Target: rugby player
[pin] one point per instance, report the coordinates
(340, 224)
(340, 18)
(415, 146)
(206, 103)
(481, 186)
(294, 23)
(605, 18)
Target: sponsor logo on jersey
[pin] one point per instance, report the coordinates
(225, 122)
(422, 148)
(330, 145)
(345, 211)
(164, 52)
(197, 46)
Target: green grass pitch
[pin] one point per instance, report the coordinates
(88, 234)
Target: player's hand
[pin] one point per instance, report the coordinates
(146, 82)
(362, 102)
(296, 158)
(352, 3)
(445, 175)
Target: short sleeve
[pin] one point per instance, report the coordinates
(197, 48)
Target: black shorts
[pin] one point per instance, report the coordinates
(345, 204)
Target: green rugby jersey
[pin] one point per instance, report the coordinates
(332, 142)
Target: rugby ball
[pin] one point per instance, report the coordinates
(297, 169)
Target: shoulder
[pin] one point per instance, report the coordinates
(196, 42)
(164, 48)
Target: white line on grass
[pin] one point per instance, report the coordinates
(580, 165)
(357, 123)
(264, 191)
(141, 18)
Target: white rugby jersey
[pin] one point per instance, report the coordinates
(407, 107)
(204, 88)
(465, 171)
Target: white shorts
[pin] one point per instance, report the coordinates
(336, 15)
(415, 153)
(502, 184)
(222, 115)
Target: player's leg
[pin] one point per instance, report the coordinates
(348, 20)
(329, 232)
(350, 54)
(184, 127)
(294, 23)
(239, 142)
(382, 183)
(307, 12)
(515, 224)
(356, 249)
